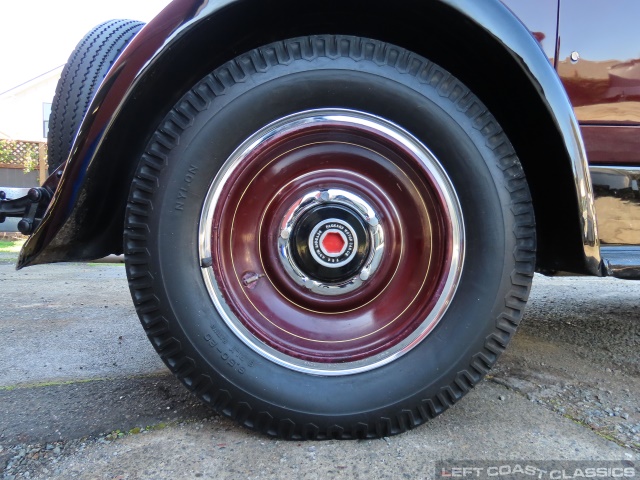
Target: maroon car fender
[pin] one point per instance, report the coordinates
(191, 37)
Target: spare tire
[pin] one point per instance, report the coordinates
(81, 76)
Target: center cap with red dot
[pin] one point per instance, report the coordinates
(330, 243)
(333, 243)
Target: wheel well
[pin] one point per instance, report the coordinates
(431, 29)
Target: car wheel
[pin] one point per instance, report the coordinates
(81, 76)
(329, 237)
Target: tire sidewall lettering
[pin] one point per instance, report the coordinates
(216, 133)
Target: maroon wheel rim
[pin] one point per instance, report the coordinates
(417, 215)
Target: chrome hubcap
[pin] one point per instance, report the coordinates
(331, 242)
(336, 241)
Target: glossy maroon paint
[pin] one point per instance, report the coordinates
(58, 235)
(612, 144)
(603, 77)
(358, 324)
(85, 218)
(604, 83)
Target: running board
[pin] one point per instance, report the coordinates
(621, 261)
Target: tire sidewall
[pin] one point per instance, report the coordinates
(245, 107)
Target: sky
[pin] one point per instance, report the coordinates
(37, 36)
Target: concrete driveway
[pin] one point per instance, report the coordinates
(83, 394)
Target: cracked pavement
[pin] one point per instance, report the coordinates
(84, 395)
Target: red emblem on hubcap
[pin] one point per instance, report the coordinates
(333, 243)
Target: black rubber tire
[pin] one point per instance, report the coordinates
(81, 76)
(236, 100)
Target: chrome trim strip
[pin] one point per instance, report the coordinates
(617, 203)
(586, 205)
(622, 261)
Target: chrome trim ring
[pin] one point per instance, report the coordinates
(418, 152)
(357, 205)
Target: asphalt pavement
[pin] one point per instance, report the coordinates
(84, 395)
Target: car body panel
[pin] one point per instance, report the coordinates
(612, 144)
(604, 83)
(541, 18)
(603, 77)
(80, 223)
(68, 231)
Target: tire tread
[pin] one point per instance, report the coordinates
(84, 71)
(387, 56)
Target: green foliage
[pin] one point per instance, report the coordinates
(11, 246)
(17, 153)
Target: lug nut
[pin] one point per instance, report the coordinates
(364, 275)
(284, 233)
(324, 196)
